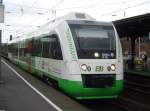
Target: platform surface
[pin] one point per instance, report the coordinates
(16, 95)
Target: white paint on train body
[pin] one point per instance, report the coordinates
(70, 67)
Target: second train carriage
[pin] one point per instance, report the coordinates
(79, 54)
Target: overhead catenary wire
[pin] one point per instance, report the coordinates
(84, 6)
(97, 4)
(88, 6)
(62, 9)
(54, 11)
(37, 18)
(27, 6)
(125, 8)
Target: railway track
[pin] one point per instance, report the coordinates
(145, 89)
(131, 104)
(138, 83)
(141, 80)
(135, 96)
(103, 105)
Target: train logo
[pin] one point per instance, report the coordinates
(99, 69)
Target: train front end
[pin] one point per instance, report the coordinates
(96, 68)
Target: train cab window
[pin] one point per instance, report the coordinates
(56, 48)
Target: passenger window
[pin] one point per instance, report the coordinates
(46, 47)
(37, 47)
(56, 48)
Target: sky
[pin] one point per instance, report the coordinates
(24, 16)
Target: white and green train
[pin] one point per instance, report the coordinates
(80, 55)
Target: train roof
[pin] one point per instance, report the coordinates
(44, 29)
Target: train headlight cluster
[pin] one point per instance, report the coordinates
(96, 54)
(89, 68)
(84, 67)
(111, 68)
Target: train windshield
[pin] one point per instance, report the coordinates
(91, 39)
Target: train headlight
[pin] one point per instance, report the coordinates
(96, 54)
(84, 67)
(113, 67)
(109, 68)
(89, 68)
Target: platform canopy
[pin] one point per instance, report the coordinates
(137, 26)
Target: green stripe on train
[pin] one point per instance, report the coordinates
(76, 89)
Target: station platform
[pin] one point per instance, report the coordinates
(24, 92)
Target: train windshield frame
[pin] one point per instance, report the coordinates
(94, 37)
